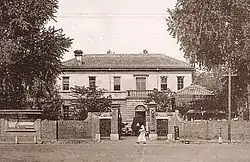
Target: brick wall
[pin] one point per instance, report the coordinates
(204, 129)
(70, 129)
(193, 130)
(241, 130)
(48, 130)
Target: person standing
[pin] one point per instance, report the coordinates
(142, 136)
(137, 133)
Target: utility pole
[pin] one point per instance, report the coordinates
(248, 97)
(230, 75)
(248, 86)
(229, 102)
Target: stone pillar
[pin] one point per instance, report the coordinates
(152, 121)
(2, 126)
(96, 127)
(37, 138)
(115, 108)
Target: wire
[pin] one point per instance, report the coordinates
(110, 15)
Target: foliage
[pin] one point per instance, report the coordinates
(89, 100)
(239, 95)
(30, 53)
(210, 79)
(216, 81)
(214, 32)
(164, 100)
(183, 109)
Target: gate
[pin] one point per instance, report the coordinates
(162, 127)
(105, 127)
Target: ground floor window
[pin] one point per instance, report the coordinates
(67, 113)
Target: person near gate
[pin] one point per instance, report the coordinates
(142, 136)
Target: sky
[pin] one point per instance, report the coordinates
(122, 26)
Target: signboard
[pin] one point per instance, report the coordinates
(21, 124)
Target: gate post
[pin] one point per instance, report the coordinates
(115, 108)
(152, 121)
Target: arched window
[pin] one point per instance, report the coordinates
(140, 108)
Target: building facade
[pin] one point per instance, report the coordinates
(128, 78)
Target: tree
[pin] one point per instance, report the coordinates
(163, 99)
(30, 53)
(210, 79)
(213, 33)
(88, 99)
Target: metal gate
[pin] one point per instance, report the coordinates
(162, 127)
(105, 127)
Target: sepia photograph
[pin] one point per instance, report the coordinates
(124, 80)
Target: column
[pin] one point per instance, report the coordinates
(115, 108)
(152, 121)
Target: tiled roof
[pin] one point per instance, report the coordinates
(125, 61)
(194, 90)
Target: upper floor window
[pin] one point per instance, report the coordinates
(164, 83)
(117, 83)
(92, 82)
(141, 83)
(180, 82)
(65, 83)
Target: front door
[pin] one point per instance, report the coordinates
(141, 117)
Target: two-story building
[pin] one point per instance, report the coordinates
(128, 78)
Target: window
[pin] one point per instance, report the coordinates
(65, 83)
(180, 82)
(164, 83)
(66, 112)
(117, 83)
(140, 83)
(92, 82)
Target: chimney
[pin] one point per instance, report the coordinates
(109, 52)
(78, 55)
(145, 51)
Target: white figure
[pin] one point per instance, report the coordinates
(142, 136)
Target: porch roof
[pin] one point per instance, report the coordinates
(194, 90)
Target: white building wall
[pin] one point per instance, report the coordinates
(128, 79)
(128, 82)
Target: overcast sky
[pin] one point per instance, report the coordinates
(124, 26)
